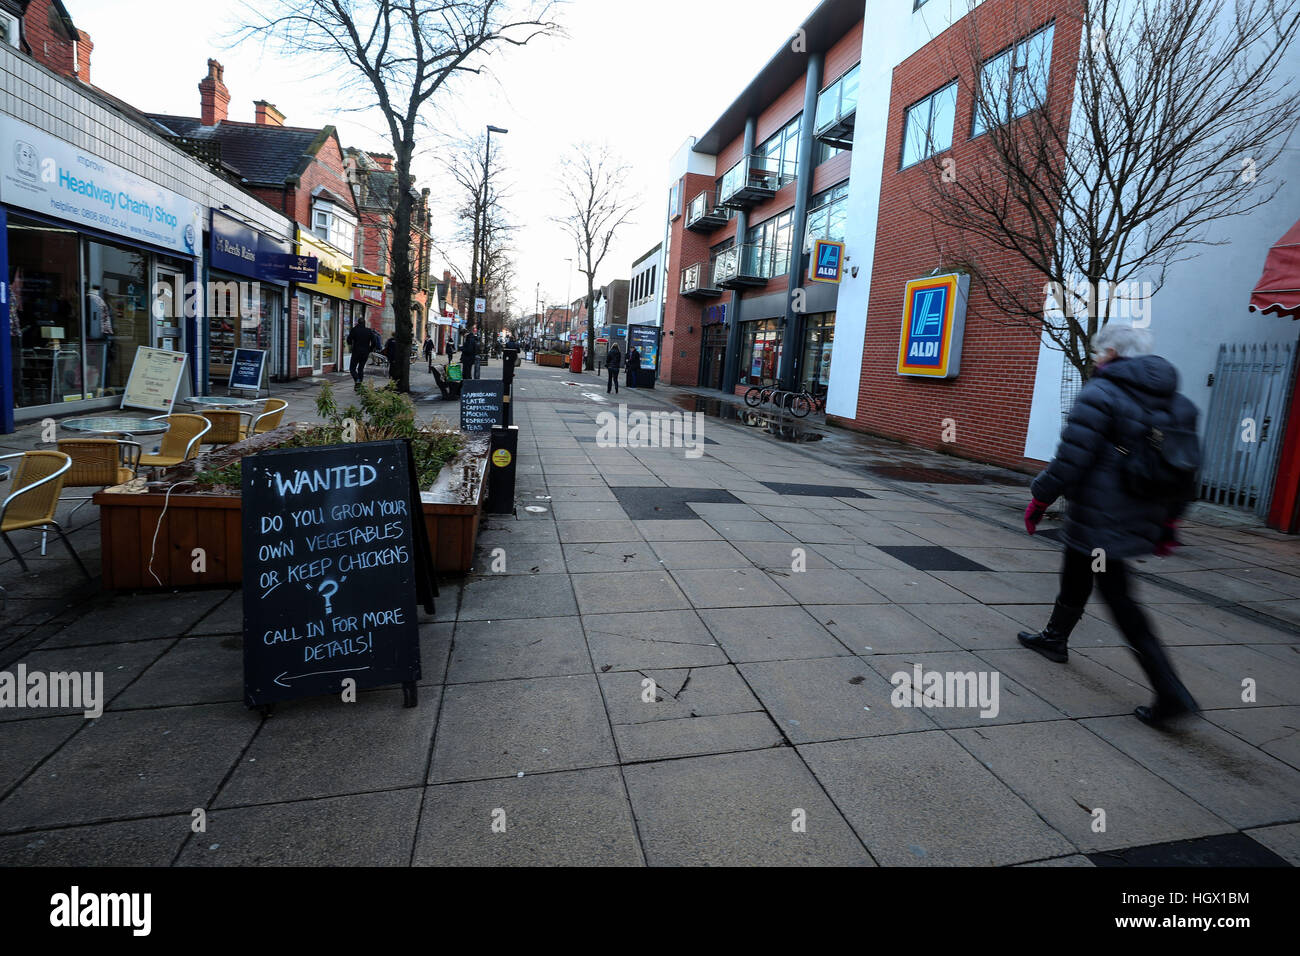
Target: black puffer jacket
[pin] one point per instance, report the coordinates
(1114, 407)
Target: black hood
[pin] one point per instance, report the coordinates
(1147, 373)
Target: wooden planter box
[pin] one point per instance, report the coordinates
(128, 523)
(550, 361)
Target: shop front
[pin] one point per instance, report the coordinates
(91, 256)
(713, 346)
(248, 286)
(815, 361)
(322, 307)
(760, 352)
(368, 299)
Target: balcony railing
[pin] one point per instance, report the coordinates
(837, 109)
(754, 179)
(697, 282)
(741, 266)
(704, 214)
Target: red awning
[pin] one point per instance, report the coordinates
(1278, 289)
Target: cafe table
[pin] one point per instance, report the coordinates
(216, 402)
(126, 426)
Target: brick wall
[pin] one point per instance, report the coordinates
(990, 399)
(51, 45)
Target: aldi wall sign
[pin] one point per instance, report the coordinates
(934, 323)
(827, 261)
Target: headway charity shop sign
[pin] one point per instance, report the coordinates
(54, 178)
(934, 323)
(827, 261)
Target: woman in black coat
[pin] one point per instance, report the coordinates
(1106, 523)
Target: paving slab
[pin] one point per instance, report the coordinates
(1274, 730)
(365, 829)
(830, 586)
(503, 728)
(699, 555)
(119, 663)
(912, 587)
(539, 647)
(520, 558)
(738, 810)
(662, 639)
(1008, 702)
(373, 744)
(693, 736)
(770, 634)
(878, 629)
(134, 763)
(149, 842)
(731, 588)
(28, 742)
(1080, 688)
(597, 531)
(615, 556)
(624, 591)
(1283, 840)
(573, 818)
(500, 597)
(1065, 773)
(670, 530)
(194, 670)
(679, 693)
(138, 617)
(921, 800)
(1225, 774)
(971, 626)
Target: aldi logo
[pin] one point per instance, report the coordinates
(827, 261)
(934, 323)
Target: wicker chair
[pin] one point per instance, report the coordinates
(180, 443)
(30, 506)
(98, 463)
(227, 427)
(269, 419)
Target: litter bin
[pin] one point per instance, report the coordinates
(575, 359)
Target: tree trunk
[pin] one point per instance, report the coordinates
(403, 284)
(591, 325)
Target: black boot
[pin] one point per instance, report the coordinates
(1173, 699)
(1052, 641)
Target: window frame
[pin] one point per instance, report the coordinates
(929, 100)
(1012, 50)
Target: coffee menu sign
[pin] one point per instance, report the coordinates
(482, 405)
(335, 560)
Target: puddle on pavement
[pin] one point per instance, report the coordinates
(777, 424)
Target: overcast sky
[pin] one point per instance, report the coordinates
(641, 75)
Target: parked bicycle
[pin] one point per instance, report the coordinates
(799, 403)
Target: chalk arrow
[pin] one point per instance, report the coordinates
(285, 676)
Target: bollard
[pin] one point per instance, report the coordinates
(502, 456)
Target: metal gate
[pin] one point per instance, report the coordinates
(1247, 420)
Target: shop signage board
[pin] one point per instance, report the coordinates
(155, 380)
(239, 248)
(336, 564)
(52, 177)
(366, 288)
(482, 405)
(248, 369)
(827, 261)
(288, 267)
(934, 324)
(332, 267)
(480, 306)
(645, 339)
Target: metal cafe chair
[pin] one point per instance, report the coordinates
(32, 503)
(98, 463)
(181, 441)
(269, 419)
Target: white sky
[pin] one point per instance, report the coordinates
(642, 76)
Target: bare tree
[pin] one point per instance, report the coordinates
(1101, 178)
(594, 186)
(401, 53)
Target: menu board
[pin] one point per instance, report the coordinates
(156, 376)
(482, 405)
(336, 559)
(247, 368)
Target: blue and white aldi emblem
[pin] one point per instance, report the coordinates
(827, 261)
(934, 324)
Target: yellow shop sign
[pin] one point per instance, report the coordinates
(333, 270)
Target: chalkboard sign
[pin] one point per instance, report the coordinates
(482, 406)
(247, 368)
(336, 557)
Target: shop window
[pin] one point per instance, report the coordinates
(44, 313)
(815, 364)
(1014, 82)
(304, 331)
(760, 352)
(117, 316)
(929, 124)
(329, 332)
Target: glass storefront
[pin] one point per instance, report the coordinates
(815, 367)
(760, 352)
(245, 320)
(80, 309)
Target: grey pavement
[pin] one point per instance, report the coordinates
(685, 660)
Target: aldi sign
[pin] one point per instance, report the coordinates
(934, 324)
(827, 261)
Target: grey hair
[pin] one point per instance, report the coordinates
(1126, 340)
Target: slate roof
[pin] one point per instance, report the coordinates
(262, 155)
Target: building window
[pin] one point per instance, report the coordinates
(8, 29)
(334, 226)
(767, 247)
(1014, 82)
(828, 215)
(780, 153)
(929, 125)
(819, 338)
(838, 100)
(760, 352)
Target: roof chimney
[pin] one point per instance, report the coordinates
(385, 161)
(83, 48)
(214, 98)
(267, 114)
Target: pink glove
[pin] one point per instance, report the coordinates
(1168, 540)
(1034, 514)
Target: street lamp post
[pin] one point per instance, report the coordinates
(481, 253)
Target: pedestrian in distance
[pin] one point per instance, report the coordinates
(633, 365)
(469, 349)
(1127, 465)
(613, 362)
(393, 352)
(361, 341)
(428, 351)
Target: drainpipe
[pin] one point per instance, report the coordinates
(792, 340)
(730, 373)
